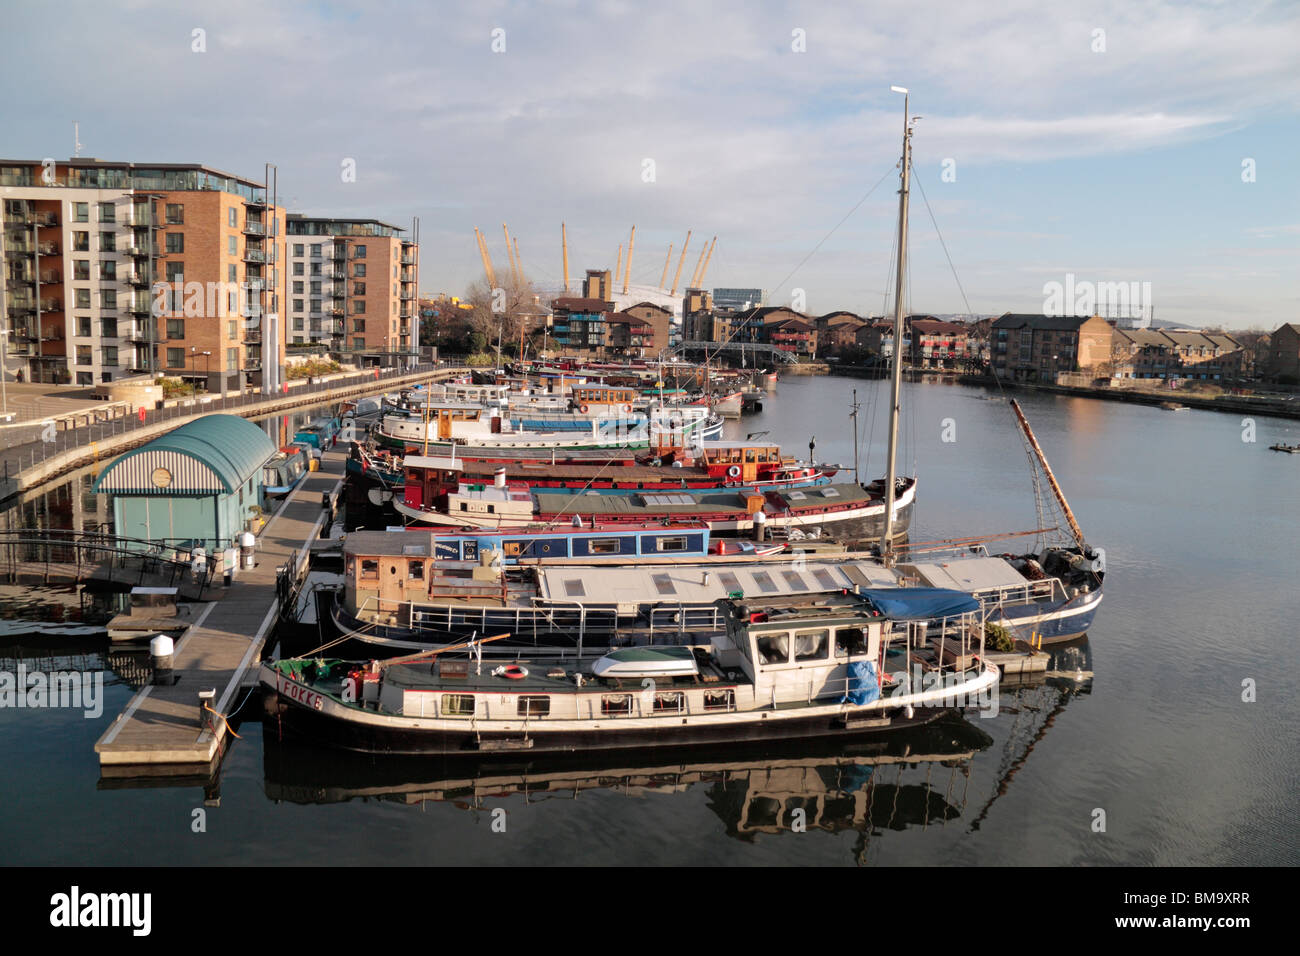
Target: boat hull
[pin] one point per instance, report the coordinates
(304, 712)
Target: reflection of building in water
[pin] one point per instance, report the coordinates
(910, 778)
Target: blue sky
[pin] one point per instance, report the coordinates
(1122, 164)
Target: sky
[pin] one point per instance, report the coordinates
(1142, 142)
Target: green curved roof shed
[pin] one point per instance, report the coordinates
(213, 455)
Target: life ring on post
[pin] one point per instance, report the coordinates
(733, 471)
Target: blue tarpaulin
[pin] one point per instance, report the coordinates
(864, 687)
(919, 603)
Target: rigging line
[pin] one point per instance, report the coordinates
(943, 244)
(813, 252)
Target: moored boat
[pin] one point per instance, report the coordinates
(779, 670)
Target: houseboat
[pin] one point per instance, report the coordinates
(399, 594)
(285, 470)
(779, 669)
(853, 510)
(319, 432)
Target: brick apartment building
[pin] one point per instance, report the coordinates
(1157, 353)
(352, 285)
(1033, 347)
(112, 269)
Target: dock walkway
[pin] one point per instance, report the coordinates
(160, 726)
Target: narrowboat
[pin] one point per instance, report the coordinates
(319, 433)
(779, 670)
(284, 471)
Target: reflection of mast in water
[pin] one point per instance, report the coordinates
(1064, 696)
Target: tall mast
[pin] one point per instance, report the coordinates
(1051, 478)
(897, 382)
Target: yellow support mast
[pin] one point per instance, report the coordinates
(663, 279)
(678, 274)
(627, 272)
(564, 244)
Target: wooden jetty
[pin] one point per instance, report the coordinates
(164, 728)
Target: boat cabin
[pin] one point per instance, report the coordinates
(429, 479)
(741, 461)
(604, 398)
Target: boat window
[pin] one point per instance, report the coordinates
(673, 702)
(415, 570)
(664, 584)
(773, 648)
(764, 582)
(672, 544)
(604, 545)
(457, 705)
(730, 582)
(369, 568)
(811, 645)
(535, 705)
(719, 699)
(826, 579)
(573, 587)
(795, 580)
(615, 705)
(850, 640)
(750, 456)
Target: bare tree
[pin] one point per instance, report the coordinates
(500, 312)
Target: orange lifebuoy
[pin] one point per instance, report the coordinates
(583, 408)
(514, 672)
(627, 408)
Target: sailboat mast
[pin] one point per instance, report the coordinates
(1051, 478)
(897, 381)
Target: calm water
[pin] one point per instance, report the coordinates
(1200, 533)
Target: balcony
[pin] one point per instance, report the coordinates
(335, 312)
(138, 250)
(252, 336)
(254, 255)
(254, 283)
(257, 201)
(52, 249)
(408, 295)
(51, 305)
(338, 275)
(254, 228)
(408, 260)
(340, 253)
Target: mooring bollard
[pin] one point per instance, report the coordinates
(206, 699)
(161, 650)
(247, 545)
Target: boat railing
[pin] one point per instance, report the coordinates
(679, 619)
(1029, 592)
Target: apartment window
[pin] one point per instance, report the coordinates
(107, 212)
(108, 329)
(315, 268)
(83, 298)
(108, 302)
(360, 252)
(297, 290)
(110, 356)
(315, 250)
(176, 241)
(84, 356)
(297, 248)
(108, 242)
(81, 242)
(81, 270)
(359, 306)
(81, 212)
(297, 340)
(108, 270)
(175, 272)
(175, 213)
(232, 360)
(315, 306)
(359, 270)
(359, 344)
(232, 329)
(83, 327)
(232, 217)
(297, 325)
(297, 305)
(297, 268)
(358, 325)
(232, 304)
(315, 288)
(358, 288)
(231, 274)
(175, 328)
(175, 358)
(232, 246)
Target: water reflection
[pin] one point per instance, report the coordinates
(892, 782)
